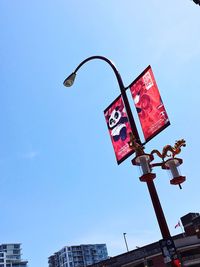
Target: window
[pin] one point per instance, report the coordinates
(150, 263)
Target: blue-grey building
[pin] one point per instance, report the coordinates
(10, 256)
(78, 256)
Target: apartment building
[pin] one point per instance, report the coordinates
(10, 256)
(78, 256)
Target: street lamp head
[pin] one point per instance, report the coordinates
(143, 161)
(172, 165)
(69, 80)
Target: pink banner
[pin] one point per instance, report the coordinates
(149, 105)
(119, 129)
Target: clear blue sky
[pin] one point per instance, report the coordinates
(60, 184)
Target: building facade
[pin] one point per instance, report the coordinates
(187, 245)
(78, 256)
(188, 248)
(10, 256)
(191, 223)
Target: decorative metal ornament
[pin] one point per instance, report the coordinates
(174, 150)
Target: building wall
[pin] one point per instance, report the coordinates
(10, 256)
(78, 256)
(188, 247)
(191, 223)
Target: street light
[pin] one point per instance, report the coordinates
(124, 234)
(172, 165)
(142, 159)
(70, 80)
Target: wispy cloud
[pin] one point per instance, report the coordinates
(30, 155)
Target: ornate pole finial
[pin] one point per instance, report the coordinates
(139, 148)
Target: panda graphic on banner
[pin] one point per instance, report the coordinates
(119, 129)
(117, 125)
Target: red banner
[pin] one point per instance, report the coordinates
(149, 105)
(119, 129)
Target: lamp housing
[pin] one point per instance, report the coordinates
(143, 161)
(172, 165)
(69, 80)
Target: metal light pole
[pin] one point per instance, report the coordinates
(144, 161)
(141, 158)
(124, 234)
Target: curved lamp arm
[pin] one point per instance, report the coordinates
(70, 80)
